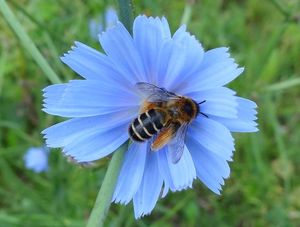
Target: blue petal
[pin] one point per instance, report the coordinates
(218, 102)
(149, 41)
(166, 28)
(170, 64)
(165, 171)
(111, 17)
(217, 54)
(217, 70)
(246, 116)
(146, 197)
(119, 46)
(177, 176)
(83, 98)
(66, 132)
(247, 108)
(91, 64)
(131, 173)
(95, 27)
(96, 145)
(213, 136)
(211, 169)
(193, 55)
(183, 173)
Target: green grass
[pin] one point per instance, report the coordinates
(264, 187)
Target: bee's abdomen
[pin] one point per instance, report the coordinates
(146, 125)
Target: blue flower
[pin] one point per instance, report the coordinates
(36, 159)
(96, 26)
(104, 103)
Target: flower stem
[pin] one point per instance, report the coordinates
(284, 85)
(187, 13)
(126, 14)
(27, 43)
(105, 194)
(281, 9)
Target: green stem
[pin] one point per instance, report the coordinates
(126, 13)
(187, 13)
(105, 194)
(18, 6)
(284, 85)
(27, 43)
(3, 63)
(281, 9)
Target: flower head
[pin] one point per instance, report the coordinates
(96, 26)
(105, 102)
(36, 159)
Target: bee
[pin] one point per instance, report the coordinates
(164, 118)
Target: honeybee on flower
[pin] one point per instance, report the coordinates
(105, 104)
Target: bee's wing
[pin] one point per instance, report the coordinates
(176, 145)
(155, 94)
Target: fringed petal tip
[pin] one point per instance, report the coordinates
(108, 29)
(131, 173)
(138, 215)
(153, 185)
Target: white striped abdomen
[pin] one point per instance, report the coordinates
(146, 125)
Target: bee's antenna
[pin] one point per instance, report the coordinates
(199, 103)
(204, 114)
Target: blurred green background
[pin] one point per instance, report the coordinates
(264, 187)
